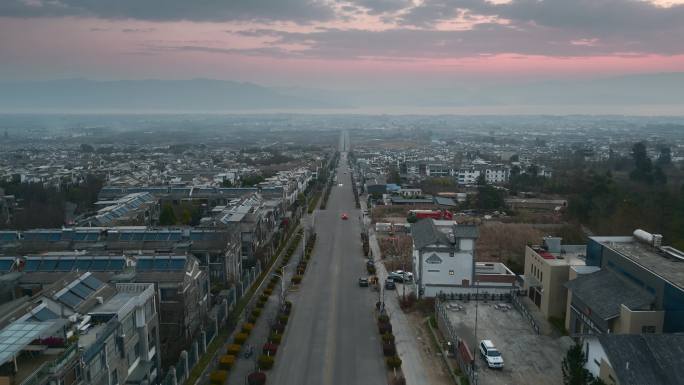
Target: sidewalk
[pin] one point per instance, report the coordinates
(244, 366)
(406, 341)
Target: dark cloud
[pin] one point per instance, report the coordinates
(138, 30)
(376, 7)
(600, 17)
(170, 10)
(482, 39)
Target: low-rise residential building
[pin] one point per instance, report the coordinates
(443, 256)
(547, 269)
(135, 209)
(80, 330)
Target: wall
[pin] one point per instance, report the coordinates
(595, 354)
(631, 322)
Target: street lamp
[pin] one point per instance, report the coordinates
(282, 283)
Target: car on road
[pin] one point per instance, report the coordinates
(363, 282)
(389, 284)
(491, 355)
(345, 216)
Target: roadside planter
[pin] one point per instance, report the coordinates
(256, 378)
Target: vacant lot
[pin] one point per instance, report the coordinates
(528, 358)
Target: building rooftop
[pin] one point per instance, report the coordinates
(604, 292)
(648, 257)
(654, 359)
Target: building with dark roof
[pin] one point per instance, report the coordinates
(640, 278)
(636, 359)
(443, 256)
(79, 330)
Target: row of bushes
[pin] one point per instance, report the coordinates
(313, 202)
(389, 348)
(328, 189)
(365, 244)
(355, 190)
(226, 362)
(304, 262)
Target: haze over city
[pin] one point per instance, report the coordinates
(432, 56)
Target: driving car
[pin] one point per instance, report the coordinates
(345, 216)
(363, 282)
(389, 284)
(491, 355)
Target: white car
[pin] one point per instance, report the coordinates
(491, 355)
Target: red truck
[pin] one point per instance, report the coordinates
(434, 214)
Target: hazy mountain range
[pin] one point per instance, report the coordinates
(206, 95)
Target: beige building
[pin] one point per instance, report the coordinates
(547, 269)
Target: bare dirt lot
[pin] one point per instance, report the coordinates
(528, 358)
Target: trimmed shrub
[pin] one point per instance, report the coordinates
(252, 319)
(227, 362)
(278, 328)
(388, 337)
(383, 318)
(297, 279)
(282, 318)
(266, 362)
(233, 349)
(247, 327)
(218, 377)
(268, 291)
(393, 362)
(240, 338)
(256, 378)
(270, 349)
(402, 381)
(275, 338)
(288, 304)
(256, 312)
(263, 297)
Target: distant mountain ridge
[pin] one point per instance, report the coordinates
(207, 95)
(183, 95)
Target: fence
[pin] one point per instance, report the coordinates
(220, 316)
(460, 348)
(188, 359)
(523, 310)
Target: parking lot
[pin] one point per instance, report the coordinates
(528, 358)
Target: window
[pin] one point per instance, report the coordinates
(648, 329)
(451, 272)
(433, 271)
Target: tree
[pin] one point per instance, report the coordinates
(87, 148)
(227, 183)
(393, 175)
(167, 216)
(489, 198)
(659, 176)
(665, 157)
(643, 168)
(574, 372)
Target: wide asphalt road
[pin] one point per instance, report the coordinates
(332, 338)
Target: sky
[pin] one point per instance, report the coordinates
(339, 44)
